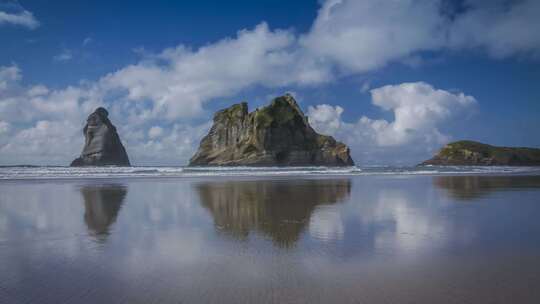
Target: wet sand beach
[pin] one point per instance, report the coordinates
(318, 239)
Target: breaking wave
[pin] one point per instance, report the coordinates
(35, 172)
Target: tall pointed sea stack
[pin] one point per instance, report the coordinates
(102, 146)
(276, 135)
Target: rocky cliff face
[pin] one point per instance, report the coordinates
(477, 154)
(276, 135)
(102, 145)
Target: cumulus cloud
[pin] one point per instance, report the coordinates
(51, 140)
(178, 81)
(8, 76)
(155, 132)
(24, 18)
(362, 35)
(325, 118)
(418, 110)
(39, 125)
(43, 125)
(170, 90)
(164, 90)
(503, 28)
(174, 145)
(5, 128)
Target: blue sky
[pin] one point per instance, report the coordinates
(394, 80)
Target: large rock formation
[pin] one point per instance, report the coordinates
(102, 145)
(471, 153)
(276, 135)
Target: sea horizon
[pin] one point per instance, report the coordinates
(314, 151)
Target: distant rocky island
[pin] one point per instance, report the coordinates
(280, 135)
(471, 153)
(102, 145)
(276, 135)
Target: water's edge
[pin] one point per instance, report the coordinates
(25, 172)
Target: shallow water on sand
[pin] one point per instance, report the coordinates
(339, 239)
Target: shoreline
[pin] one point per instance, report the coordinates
(263, 177)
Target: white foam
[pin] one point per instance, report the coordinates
(14, 173)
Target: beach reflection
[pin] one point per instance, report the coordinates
(277, 209)
(472, 187)
(275, 240)
(101, 206)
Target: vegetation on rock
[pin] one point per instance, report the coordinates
(278, 134)
(468, 152)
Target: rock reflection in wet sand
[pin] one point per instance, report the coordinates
(360, 239)
(101, 206)
(471, 187)
(279, 209)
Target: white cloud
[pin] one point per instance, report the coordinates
(23, 18)
(155, 132)
(365, 87)
(165, 90)
(362, 35)
(4, 127)
(8, 76)
(54, 141)
(169, 89)
(38, 90)
(501, 27)
(178, 81)
(325, 118)
(43, 126)
(65, 55)
(175, 145)
(418, 110)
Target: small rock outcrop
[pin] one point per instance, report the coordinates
(276, 135)
(471, 153)
(102, 145)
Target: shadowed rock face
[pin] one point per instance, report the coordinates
(276, 135)
(280, 210)
(465, 153)
(102, 146)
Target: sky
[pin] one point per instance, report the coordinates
(395, 80)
